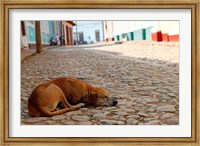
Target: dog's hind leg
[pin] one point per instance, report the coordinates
(71, 107)
(64, 101)
(50, 98)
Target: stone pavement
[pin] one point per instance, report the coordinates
(147, 89)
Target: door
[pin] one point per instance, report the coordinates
(81, 37)
(97, 35)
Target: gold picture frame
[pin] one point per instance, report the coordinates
(151, 4)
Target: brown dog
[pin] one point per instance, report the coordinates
(70, 93)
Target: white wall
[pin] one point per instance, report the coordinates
(169, 27)
(129, 26)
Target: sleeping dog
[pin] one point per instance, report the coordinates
(70, 93)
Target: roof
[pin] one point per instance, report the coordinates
(72, 23)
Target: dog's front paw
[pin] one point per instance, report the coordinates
(81, 104)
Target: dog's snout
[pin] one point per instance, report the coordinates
(111, 102)
(115, 102)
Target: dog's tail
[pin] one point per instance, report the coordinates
(61, 111)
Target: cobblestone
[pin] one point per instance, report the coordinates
(141, 76)
(166, 108)
(111, 122)
(80, 118)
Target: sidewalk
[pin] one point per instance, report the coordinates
(29, 52)
(26, 53)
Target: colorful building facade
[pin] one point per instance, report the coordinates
(166, 31)
(67, 32)
(48, 30)
(141, 30)
(128, 30)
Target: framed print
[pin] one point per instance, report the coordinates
(105, 72)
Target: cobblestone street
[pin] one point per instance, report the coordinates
(142, 76)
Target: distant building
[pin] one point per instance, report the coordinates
(87, 32)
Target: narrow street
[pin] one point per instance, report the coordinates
(142, 76)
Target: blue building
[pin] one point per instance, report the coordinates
(88, 32)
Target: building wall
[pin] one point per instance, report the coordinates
(67, 32)
(128, 29)
(57, 27)
(30, 31)
(169, 26)
(109, 31)
(166, 31)
(130, 26)
(88, 28)
(44, 25)
(143, 30)
(51, 29)
(48, 30)
(132, 30)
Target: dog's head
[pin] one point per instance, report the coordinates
(100, 97)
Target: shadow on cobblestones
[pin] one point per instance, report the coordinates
(147, 90)
(88, 46)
